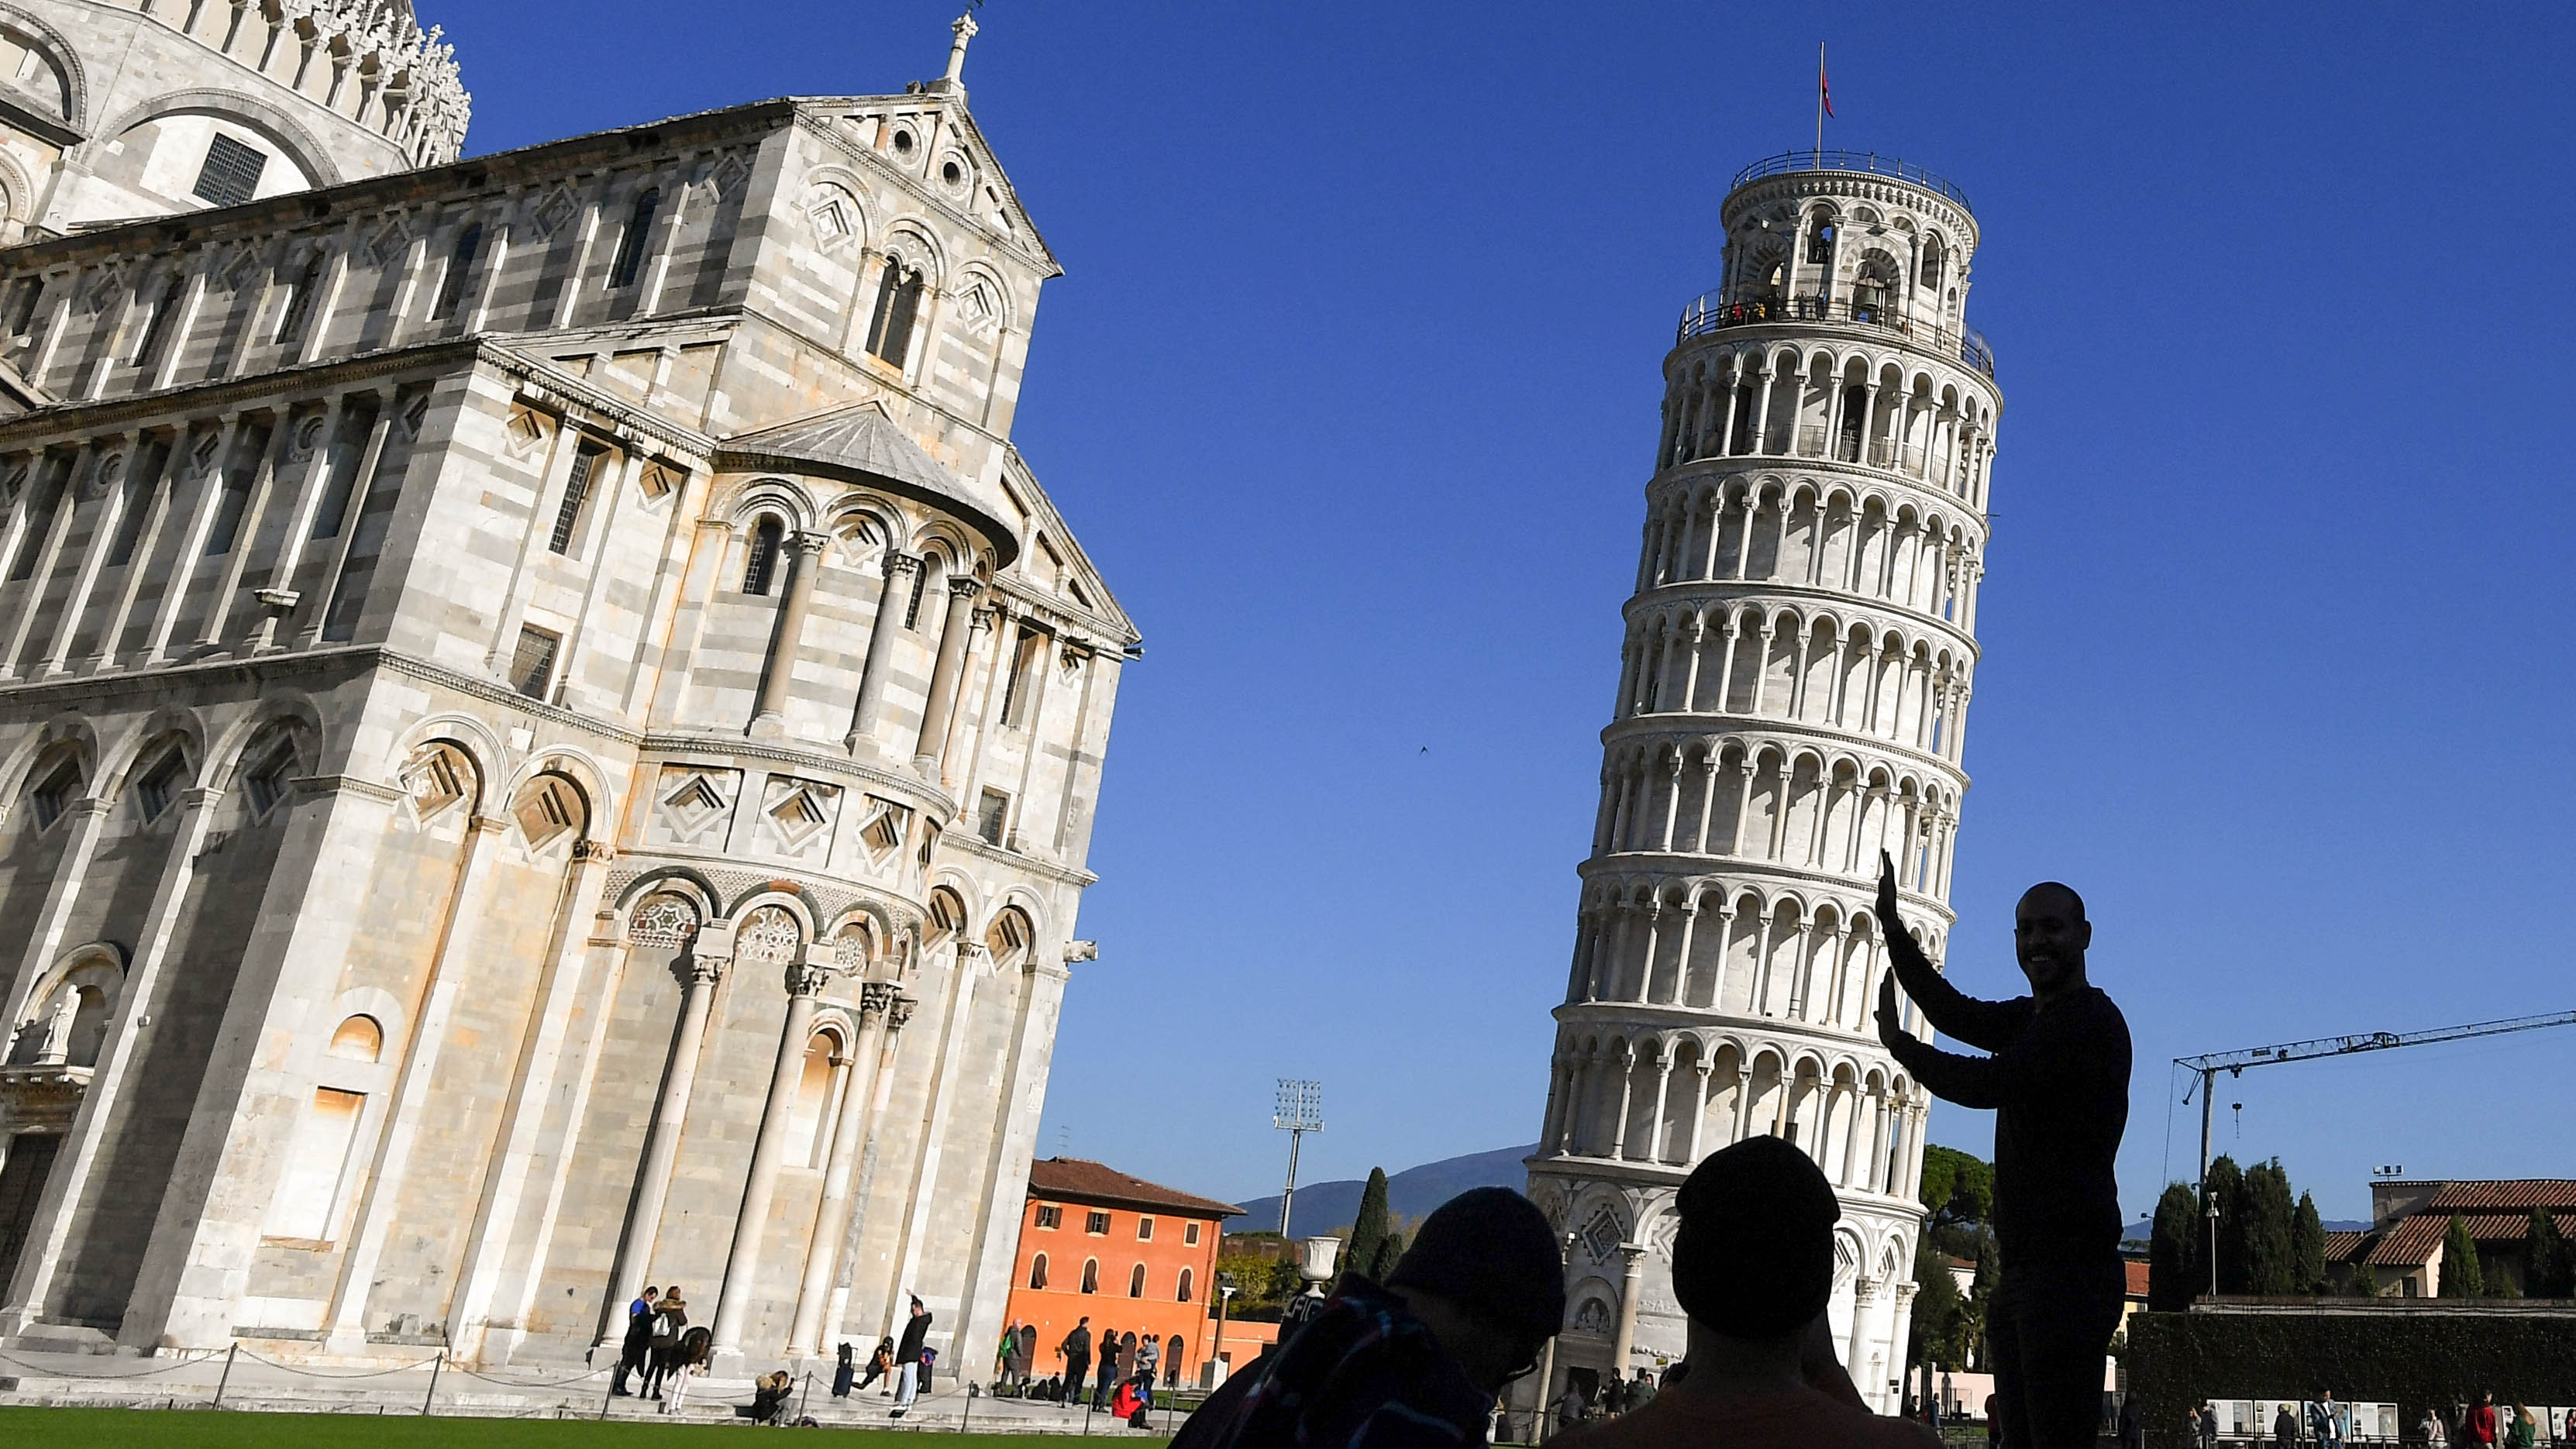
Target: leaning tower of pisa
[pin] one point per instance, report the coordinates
(1792, 692)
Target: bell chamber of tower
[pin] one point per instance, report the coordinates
(1792, 700)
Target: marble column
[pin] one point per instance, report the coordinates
(1632, 1283)
(662, 1138)
(769, 716)
(954, 635)
(742, 1263)
(891, 601)
(849, 1139)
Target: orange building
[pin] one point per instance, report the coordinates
(1128, 1254)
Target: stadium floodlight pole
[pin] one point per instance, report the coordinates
(1299, 1110)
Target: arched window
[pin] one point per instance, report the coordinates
(460, 265)
(1932, 262)
(1136, 1282)
(639, 233)
(1037, 1272)
(1820, 239)
(762, 562)
(359, 1039)
(805, 1136)
(1091, 1275)
(1185, 1285)
(1172, 1349)
(898, 306)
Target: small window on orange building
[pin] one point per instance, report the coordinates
(1190, 1235)
(1136, 1282)
(1144, 1230)
(1037, 1271)
(1096, 1223)
(1050, 1217)
(1091, 1275)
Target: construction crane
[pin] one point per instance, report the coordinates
(2235, 1063)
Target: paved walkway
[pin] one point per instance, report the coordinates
(249, 1381)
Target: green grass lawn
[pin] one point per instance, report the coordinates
(205, 1429)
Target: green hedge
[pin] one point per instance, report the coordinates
(2412, 1359)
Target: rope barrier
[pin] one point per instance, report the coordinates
(319, 1374)
(55, 1373)
(533, 1384)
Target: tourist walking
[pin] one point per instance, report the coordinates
(1076, 1349)
(2324, 1424)
(2058, 1082)
(670, 1322)
(2285, 1427)
(2431, 1430)
(688, 1360)
(2523, 1432)
(635, 1346)
(844, 1369)
(907, 1357)
(2205, 1424)
(2482, 1423)
(1024, 1356)
(1570, 1409)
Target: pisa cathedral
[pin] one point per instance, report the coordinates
(548, 738)
(1792, 695)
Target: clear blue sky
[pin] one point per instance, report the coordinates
(1351, 391)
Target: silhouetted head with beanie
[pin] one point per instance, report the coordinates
(1484, 1274)
(1755, 1255)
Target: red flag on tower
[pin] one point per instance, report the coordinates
(1824, 92)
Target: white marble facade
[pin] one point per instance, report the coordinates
(1791, 701)
(548, 738)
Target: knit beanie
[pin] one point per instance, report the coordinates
(1755, 1254)
(1490, 1249)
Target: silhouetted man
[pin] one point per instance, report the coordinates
(2058, 1082)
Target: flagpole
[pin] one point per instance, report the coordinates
(1820, 105)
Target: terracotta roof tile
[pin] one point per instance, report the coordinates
(2413, 1240)
(2342, 1246)
(1079, 1179)
(2512, 1195)
(2410, 1243)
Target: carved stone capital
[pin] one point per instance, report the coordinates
(593, 852)
(900, 1013)
(875, 998)
(807, 979)
(900, 563)
(707, 970)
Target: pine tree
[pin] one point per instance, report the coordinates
(2461, 1277)
(2307, 1248)
(2365, 1280)
(1368, 1232)
(2270, 1264)
(2175, 1273)
(2552, 1271)
(2227, 1194)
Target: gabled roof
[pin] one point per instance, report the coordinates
(2343, 1246)
(1079, 1179)
(862, 445)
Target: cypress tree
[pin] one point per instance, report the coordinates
(2365, 1280)
(2307, 1248)
(2175, 1273)
(2461, 1276)
(1389, 1249)
(1368, 1233)
(2552, 1271)
(2270, 1265)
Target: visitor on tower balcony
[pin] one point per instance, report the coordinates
(1753, 1270)
(2058, 1083)
(1414, 1363)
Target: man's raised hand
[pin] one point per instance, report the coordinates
(1887, 893)
(1890, 1025)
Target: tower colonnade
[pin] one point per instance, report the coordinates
(1795, 672)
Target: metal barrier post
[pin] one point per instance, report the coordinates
(435, 1365)
(806, 1396)
(229, 1355)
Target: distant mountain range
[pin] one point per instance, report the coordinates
(1323, 1207)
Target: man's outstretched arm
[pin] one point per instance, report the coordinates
(1989, 1025)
